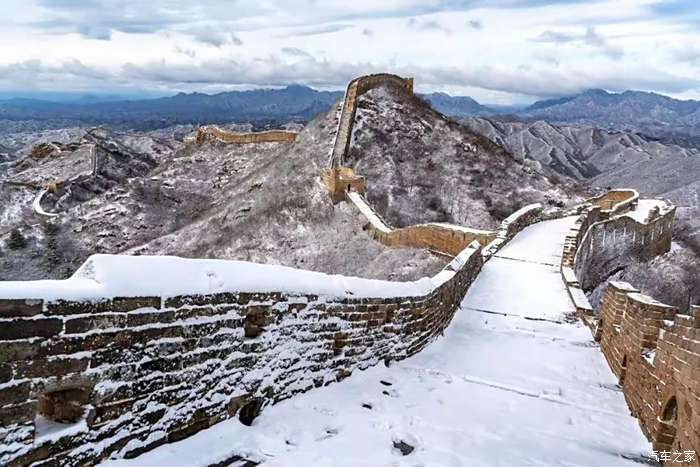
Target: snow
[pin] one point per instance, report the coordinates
(644, 207)
(359, 202)
(106, 276)
(48, 431)
(519, 387)
(36, 205)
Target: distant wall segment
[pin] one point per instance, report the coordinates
(212, 132)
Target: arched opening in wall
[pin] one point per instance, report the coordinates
(670, 412)
(250, 411)
(61, 409)
(623, 370)
(666, 434)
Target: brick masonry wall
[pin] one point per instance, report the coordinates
(652, 348)
(157, 369)
(444, 238)
(655, 352)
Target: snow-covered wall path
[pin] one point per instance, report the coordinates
(514, 381)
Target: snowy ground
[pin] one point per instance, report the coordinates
(510, 384)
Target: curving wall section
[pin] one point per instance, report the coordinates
(442, 238)
(651, 347)
(608, 246)
(357, 87)
(344, 185)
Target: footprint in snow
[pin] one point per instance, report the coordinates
(327, 433)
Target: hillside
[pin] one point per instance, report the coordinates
(423, 167)
(257, 203)
(577, 152)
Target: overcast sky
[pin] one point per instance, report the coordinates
(505, 51)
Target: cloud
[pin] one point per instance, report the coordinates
(475, 24)
(427, 25)
(295, 52)
(688, 54)
(210, 35)
(68, 75)
(556, 37)
(316, 30)
(297, 66)
(539, 81)
(186, 51)
(589, 37)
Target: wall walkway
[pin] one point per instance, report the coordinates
(510, 383)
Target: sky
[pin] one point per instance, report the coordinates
(496, 51)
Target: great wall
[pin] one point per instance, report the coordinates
(130, 372)
(213, 132)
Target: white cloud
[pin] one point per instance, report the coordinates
(531, 48)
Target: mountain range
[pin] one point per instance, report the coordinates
(654, 115)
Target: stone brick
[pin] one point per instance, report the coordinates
(24, 328)
(17, 350)
(117, 304)
(17, 413)
(20, 308)
(5, 373)
(44, 367)
(14, 394)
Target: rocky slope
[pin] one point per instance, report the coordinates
(577, 152)
(259, 203)
(422, 167)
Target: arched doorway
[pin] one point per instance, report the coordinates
(666, 434)
(670, 412)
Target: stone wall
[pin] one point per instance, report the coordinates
(610, 245)
(442, 238)
(655, 352)
(133, 373)
(212, 132)
(616, 201)
(652, 348)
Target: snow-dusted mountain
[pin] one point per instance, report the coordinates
(577, 152)
(671, 120)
